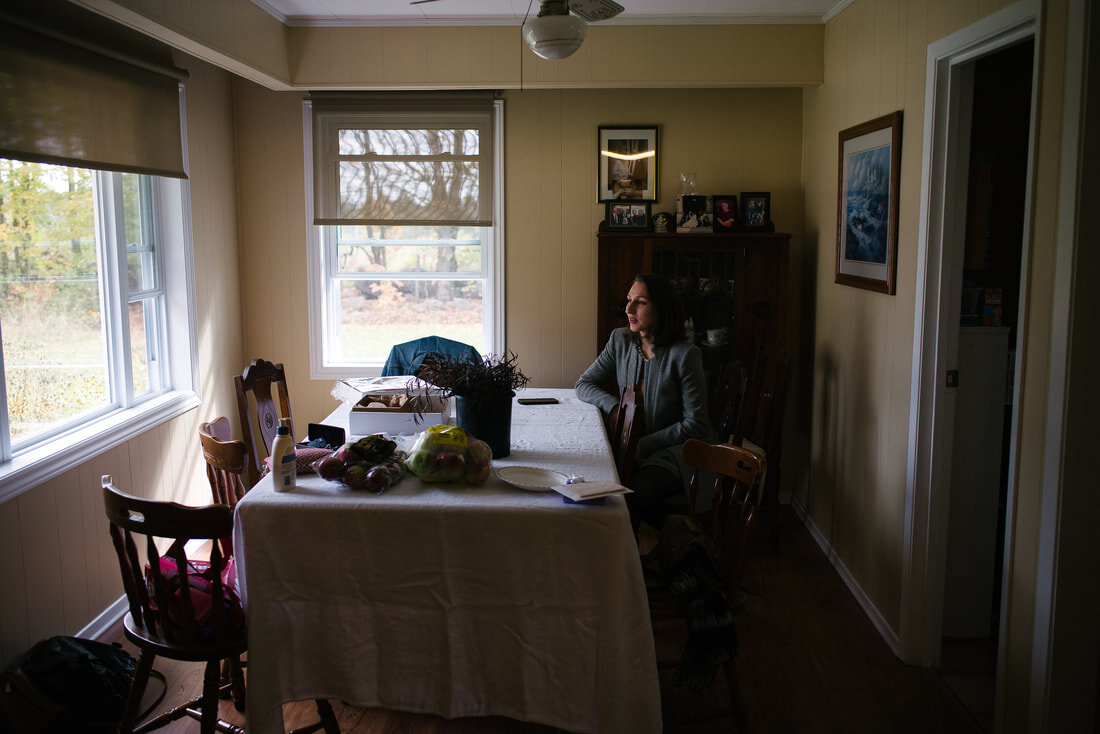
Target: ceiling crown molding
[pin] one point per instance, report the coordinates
(390, 21)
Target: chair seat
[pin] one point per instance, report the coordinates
(235, 645)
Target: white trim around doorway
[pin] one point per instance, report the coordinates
(935, 328)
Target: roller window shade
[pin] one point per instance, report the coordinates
(62, 103)
(416, 160)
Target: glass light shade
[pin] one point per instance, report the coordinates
(554, 36)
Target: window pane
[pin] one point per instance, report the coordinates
(390, 190)
(137, 210)
(375, 315)
(409, 142)
(398, 234)
(53, 337)
(142, 322)
(409, 259)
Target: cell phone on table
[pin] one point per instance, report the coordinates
(537, 401)
(332, 435)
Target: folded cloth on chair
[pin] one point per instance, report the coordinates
(200, 579)
(683, 560)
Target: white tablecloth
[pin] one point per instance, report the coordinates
(454, 600)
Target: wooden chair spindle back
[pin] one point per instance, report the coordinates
(260, 415)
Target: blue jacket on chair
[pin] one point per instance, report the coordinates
(405, 359)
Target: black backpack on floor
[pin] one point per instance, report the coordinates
(66, 685)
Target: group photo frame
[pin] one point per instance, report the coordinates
(756, 210)
(869, 173)
(627, 159)
(627, 215)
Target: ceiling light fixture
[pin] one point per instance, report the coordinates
(554, 33)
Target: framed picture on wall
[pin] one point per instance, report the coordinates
(627, 163)
(726, 216)
(627, 215)
(869, 173)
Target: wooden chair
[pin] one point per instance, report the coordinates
(761, 425)
(169, 614)
(226, 465)
(626, 430)
(725, 403)
(724, 534)
(226, 461)
(259, 414)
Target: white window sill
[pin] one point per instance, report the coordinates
(32, 467)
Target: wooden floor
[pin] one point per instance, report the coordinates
(810, 662)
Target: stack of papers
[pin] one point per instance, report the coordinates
(352, 390)
(590, 490)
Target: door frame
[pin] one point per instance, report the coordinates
(944, 166)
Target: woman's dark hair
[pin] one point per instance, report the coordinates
(669, 325)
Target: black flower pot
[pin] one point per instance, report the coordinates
(489, 419)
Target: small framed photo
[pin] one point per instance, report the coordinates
(726, 216)
(627, 215)
(867, 204)
(627, 164)
(756, 210)
(693, 214)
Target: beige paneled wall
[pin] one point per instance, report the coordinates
(59, 571)
(734, 139)
(864, 341)
(242, 38)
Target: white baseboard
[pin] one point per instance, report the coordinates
(99, 626)
(880, 624)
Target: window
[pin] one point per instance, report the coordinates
(407, 239)
(86, 321)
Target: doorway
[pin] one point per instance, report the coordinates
(941, 250)
(989, 298)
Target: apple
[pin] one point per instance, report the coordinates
(330, 467)
(477, 470)
(447, 466)
(355, 475)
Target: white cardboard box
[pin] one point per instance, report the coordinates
(364, 421)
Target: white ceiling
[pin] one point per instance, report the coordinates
(513, 12)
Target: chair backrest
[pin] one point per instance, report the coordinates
(180, 609)
(406, 358)
(725, 403)
(259, 414)
(626, 431)
(735, 495)
(768, 400)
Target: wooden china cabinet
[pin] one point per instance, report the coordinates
(734, 281)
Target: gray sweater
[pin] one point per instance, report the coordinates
(675, 396)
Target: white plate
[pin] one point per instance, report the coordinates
(531, 477)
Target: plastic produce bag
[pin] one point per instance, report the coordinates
(448, 454)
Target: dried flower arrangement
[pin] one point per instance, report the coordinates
(492, 377)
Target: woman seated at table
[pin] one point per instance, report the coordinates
(653, 349)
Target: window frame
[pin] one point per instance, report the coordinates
(128, 416)
(321, 262)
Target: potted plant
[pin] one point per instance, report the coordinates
(482, 391)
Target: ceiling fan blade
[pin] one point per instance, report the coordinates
(595, 10)
(421, 2)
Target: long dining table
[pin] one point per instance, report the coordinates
(452, 599)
